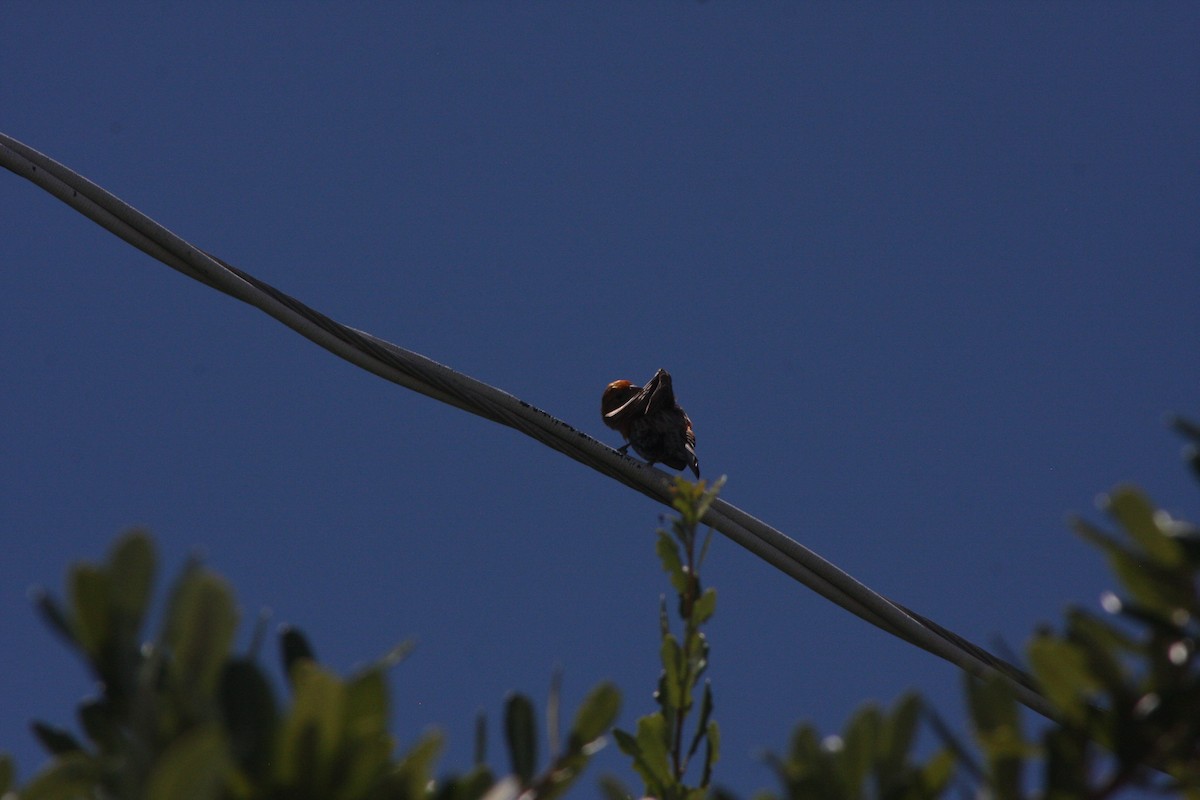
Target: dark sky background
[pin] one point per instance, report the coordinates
(926, 276)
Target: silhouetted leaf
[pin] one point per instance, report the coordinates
(57, 741)
(294, 647)
(898, 733)
(1083, 623)
(712, 751)
(250, 715)
(100, 722)
(996, 719)
(89, 588)
(521, 736)
(53, 614)
(1066, 764)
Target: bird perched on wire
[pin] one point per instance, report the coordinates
(651, 420)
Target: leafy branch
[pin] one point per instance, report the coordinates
(661, 748)
(181, 715)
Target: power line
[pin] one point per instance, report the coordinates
(440, 382)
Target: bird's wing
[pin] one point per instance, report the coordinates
(636, 406)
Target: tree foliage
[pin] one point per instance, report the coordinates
(1123, 682)
(180, 715)
(183, 716)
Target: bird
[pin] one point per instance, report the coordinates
(651, 421)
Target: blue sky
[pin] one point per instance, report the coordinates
(925, 276)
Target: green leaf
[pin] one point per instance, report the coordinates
(194, 767)
(712, 751)
(521, 736)
(595, 716)
(805, 744)
(1083, 624)
(686, 496)
(955, 746)
(89, 603)
(652, 741)
(367, 705)
(1067, 764)
(934, 777)
(709, 497)
(361, 765)
(68, 777)
(708, 537)
(1062, 672)
(996, 719)
(858, 748)
(199, 631)
(706, 709)
(597, 713)
(131, 568)
(1137, 517)
(673, 668)
(1146, 580)
(7, 774)
(311, 733)
(368, 743)
(649, 752)
(992, 705)
(414, 770)
(672, 562)
(898, 733)
(613, 789)
(705, 606)
(1103, 662)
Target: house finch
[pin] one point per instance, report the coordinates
(652, 421)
